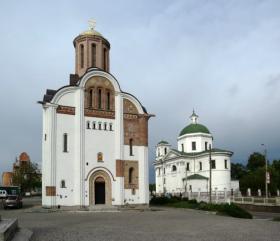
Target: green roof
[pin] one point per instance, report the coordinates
(163, 142)
(194, 128)
(194, 154)
(197, 177)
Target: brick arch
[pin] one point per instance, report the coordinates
(98, 175)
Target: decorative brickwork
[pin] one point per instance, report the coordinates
(68, 110)
(100, 113)
(50, 191)
(119, 168)
(131, 171)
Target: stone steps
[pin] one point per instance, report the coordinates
(8, 228)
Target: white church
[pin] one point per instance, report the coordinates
(186, 169)
(95, 136)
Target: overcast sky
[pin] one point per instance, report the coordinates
(220, 57)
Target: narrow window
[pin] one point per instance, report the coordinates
(90, 98)
(104, 59)
(99, 126)
(133, 191)
(108, 100)
(182, 145)
(99, 98)
(65, 142)
(62, 184)
(163, 170)
(105, 126)
(193, 145)
(158, 152)
(200, 166)
(174, 168)
(100, 157)
(130, 175)
(93, 55)
(163, 180)
(226, 166)
(111, 126)
(88, 125)
(188, 166)
(159, 171)
(206, 145)
(94, 125)
(45, 137)
(131, 147)
(82, 55)
(165, 151)
(213, 164)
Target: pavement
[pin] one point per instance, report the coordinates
(162, 224)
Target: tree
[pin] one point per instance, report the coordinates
(27, 176)
(255, 161)
(238, 170)
(152, 187)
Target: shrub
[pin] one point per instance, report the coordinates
(235, 211)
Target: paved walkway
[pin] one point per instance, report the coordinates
(165, 224)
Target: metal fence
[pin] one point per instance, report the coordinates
(272, 201)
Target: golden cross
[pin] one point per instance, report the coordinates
(92, 24)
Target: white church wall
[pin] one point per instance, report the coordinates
(200, 140)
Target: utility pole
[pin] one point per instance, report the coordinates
(266, 174)
(210, 175)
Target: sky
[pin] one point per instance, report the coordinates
(220, 57)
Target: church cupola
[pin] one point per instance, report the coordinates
(92, 50)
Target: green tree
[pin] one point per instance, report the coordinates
(27, 176)
(255, 161)
(152, 187)
(238, 170)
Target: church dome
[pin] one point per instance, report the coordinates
(194, 128)
(91, 32)
(163, 142)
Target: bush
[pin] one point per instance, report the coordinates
(235, 211)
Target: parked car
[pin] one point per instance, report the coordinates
(13, 201)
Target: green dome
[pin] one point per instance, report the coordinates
(163, 142)
(194, 128)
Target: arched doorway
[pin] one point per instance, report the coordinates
(100, 188)
(100, 193)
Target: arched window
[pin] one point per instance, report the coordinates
(90, 98)
(62, 184)
(94, 125)
(82, 55)
(174, 168)
(88, 124)
(130, 175)
(131, 147)
(111, 127)
(93, 55)
(165, 151)
(105, 126)
(99, 98)
(105, 59)
(100, 157)
(182, 145)
(108, 100)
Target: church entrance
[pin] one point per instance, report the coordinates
(99, 186)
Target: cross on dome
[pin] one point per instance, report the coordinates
(194, 117)
(91, 24)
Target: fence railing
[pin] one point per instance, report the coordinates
(272, 201)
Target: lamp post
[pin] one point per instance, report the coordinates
(265, 154)
(210, 175)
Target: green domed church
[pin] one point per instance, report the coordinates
(186, 169)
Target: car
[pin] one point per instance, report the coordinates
(13, 201)
(3, 194)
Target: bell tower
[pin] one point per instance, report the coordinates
(91, 50)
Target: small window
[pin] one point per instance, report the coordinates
(105, 126)
(65, 142)
(158, 152)
(93, 55)
(108, 100)
(99, 126)
(163, 170)
(94, 125)
(99, 99)
(165, 151)
(193, 145)
(45, 137)
(105, 59)
(226, 164)
(174, 168)
(131, 147)
(130, 175)
(100, 157)
(206, 145)
(90, 98)
(62, 184)
(82, 55)
(188, 166)
(88, 125)
(133, 191)
(200, 166)
(159, 171)
(111, 126)
(213, 164)
(163, 180)
(182, 146)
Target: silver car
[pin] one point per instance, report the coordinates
(13, 201)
